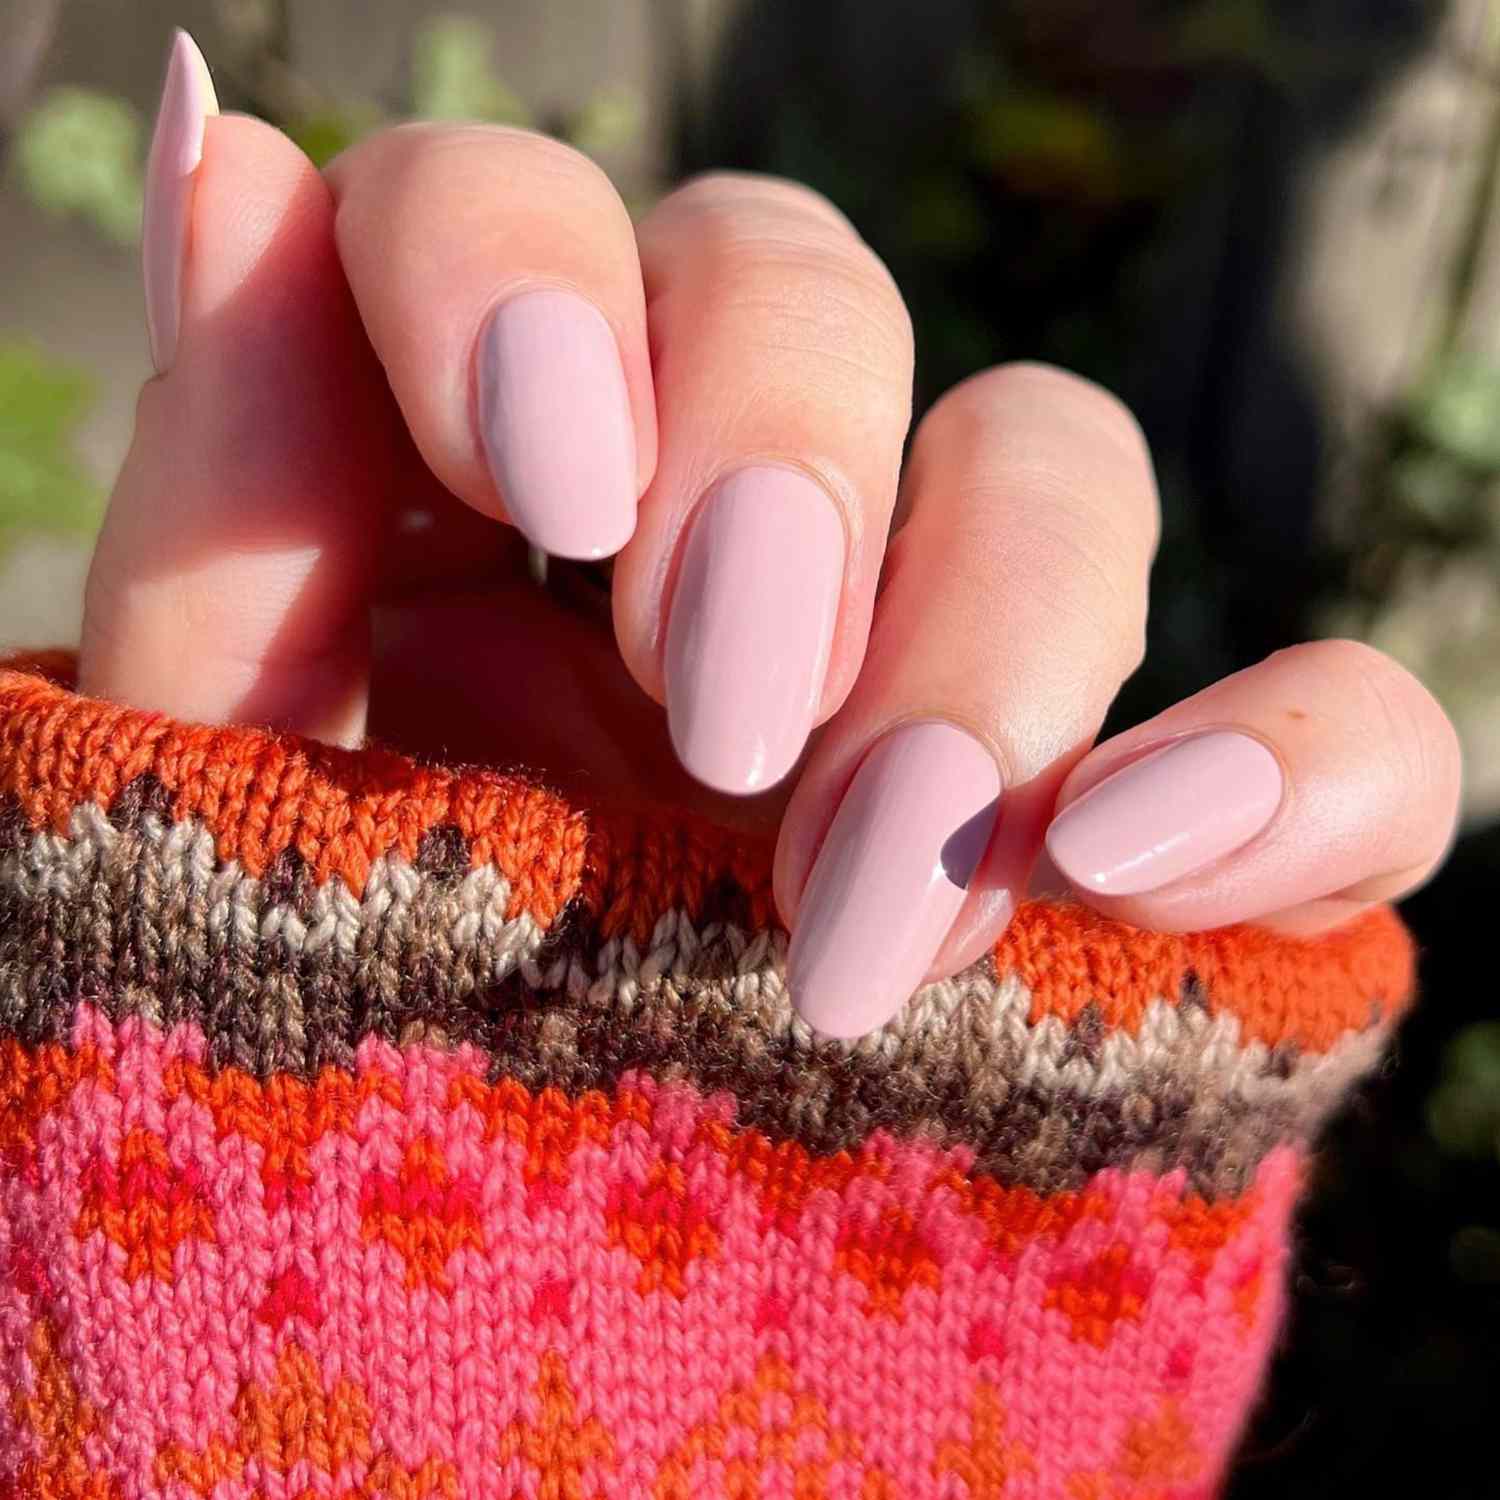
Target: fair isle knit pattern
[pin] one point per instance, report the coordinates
(372, 1129)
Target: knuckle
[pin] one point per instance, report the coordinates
(542, 159)
(1082, 593)
(1027, 384)
(1053, 579)
(784, 256)
(744, 192)
(395, 170)
(1083, 397)
(1077, 545)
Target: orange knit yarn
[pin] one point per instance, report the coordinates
(261, 793)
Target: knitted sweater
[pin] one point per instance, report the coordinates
(380, 1129)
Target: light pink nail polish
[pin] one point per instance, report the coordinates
(891, 876)
(554, 416)
(1168, 814)
(187, 101)
(750, 627)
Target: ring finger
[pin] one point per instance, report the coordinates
(1013, 607)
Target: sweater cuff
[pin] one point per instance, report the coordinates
(383, 1128)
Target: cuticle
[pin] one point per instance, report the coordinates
(953, 721)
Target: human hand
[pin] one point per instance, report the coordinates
(364, 375)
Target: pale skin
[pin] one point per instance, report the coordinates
(254, 566)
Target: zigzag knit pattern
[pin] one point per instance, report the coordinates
(370, 1129)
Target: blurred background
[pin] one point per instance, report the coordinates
(1272, 225)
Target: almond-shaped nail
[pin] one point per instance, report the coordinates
(751, 625)
(555, 421)
(891, 876)
(187, 101)
(1168, 814)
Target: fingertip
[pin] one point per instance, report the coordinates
(1293, 793)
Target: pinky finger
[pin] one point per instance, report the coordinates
(1296, 793)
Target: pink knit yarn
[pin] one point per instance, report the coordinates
(485, 1304)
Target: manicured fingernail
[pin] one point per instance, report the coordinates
(554, 415)
(751, 625)
(891, 876)
(1168, 814)
(187, 100)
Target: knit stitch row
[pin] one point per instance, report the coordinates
(377, 1129)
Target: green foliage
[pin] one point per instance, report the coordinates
(610, 120)
(1457, 411)
(322, 136)
(44, 486)
(1433, 487)
(1463, 1114)
(940, 218)
(1043, 142)
(453, 77)
(78, 153)
(1429, 503)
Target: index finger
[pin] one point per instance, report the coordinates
(496, 274)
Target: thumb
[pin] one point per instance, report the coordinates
(232, 576)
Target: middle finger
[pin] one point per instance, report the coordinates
(782, 355)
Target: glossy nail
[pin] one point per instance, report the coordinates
(891, 876)
(1168, 814)
(751, 625)
(187, 100)
(554, 417)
